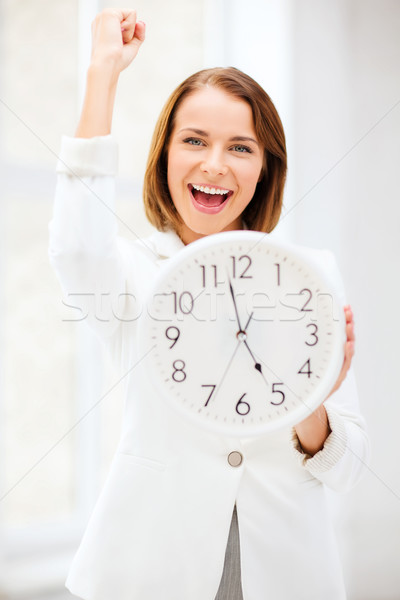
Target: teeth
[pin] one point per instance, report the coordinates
(210, 190)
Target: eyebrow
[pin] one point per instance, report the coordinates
(236, 138)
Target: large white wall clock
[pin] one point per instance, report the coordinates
(244, 335)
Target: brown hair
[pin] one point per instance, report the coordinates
(263, 211)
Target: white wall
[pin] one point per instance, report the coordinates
(347, 118)
(332, 69)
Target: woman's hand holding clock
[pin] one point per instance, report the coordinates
(314, 430)
(348, 349)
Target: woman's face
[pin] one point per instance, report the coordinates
(214, 162)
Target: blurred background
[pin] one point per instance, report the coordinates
(332, 69)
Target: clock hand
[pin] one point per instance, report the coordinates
(257, 365)
(241, 334)
(248, 321)
(234, 304)
(227, 369)
(242, 337)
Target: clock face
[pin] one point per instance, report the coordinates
(243, 335)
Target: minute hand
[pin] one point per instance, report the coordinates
(234, 304)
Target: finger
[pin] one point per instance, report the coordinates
(349, 353)
(128, 23)
(135, 36)
(128, 17)
(140, 31)
(350, 331)
(348, 357)
(133, 46)
(350, 349)
(348, 313)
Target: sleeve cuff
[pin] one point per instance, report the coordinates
(88, 157)
(333, 450)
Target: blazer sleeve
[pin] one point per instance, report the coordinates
(346, 452)
(83, 247)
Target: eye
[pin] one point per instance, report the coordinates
(193, 141)
(242, 149)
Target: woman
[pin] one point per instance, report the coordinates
(177, 518)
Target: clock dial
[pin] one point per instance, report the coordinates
(246, 334)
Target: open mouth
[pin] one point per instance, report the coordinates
(208, 196)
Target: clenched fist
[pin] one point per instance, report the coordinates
(116, 38)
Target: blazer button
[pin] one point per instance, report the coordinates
(235, 459)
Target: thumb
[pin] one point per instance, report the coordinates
(132, 44)
(139, 35)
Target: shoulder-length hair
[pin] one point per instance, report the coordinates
(263, 211)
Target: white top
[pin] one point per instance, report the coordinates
(160, 527)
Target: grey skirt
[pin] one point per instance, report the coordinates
(230, 587)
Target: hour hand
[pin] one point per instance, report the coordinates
(242, 336)
(257, 365)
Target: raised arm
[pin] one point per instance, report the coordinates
(116, 39)
(85, 250)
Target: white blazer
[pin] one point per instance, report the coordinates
(160, 526)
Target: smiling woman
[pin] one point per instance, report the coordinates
(218, 129)
(187, 513)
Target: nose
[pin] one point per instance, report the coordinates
(213, 163)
